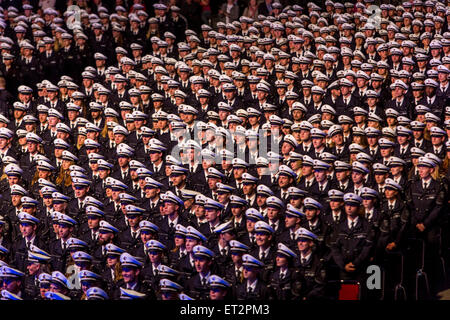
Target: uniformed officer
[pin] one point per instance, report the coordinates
(310, 275)
(253, 287)
(282, 277)
(354, 242)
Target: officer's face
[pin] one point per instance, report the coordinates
(390, 193)
(263, 239)
(281, 261)
(177, 180)
(317, 142)
(425, 172)
(211, 215)
(60, 207)
(80, 192)
(151, 192)
(129, 274)
(147, 235)
(248, 188)
(335, 205)
(368, 203)
(291, 221)
(15, 199)
(320, 175)
(217, 294)
(223, 198)
(250, 273)
(250, 225)
(190, 244)
(351, 210)
(284, 181)
(200, 212)
(436, 141)
(31, 146)
(33, 268)
(357, 177)
(311, 214)
(296, 202)
(212, 183)
(27, 229)
(272, 213)
(155, 156)
(202, 264)
(304, 245)
(64, 231)
(93, 222)
(396, 170)
(154, 256)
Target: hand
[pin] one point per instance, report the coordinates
(391, 246)
(420, 226)
(350, 267)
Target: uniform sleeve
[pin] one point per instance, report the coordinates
(434, 214)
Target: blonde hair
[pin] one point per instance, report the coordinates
(64, 177)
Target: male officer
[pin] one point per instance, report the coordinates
(197, 286)
(353, 245)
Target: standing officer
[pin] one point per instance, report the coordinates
(425, 198)
(354, 242)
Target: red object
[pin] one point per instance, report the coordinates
(349, 291)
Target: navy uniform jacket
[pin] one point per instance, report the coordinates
(231, 276)
(59, 256)
(282, 287)
(185, 267)
(20, 252)
(393, 223)
(262, 292)
(151, 279)
(127, 241)
(167, 234)
(269, 262)
(320, 230)
(332, 226)
(196, 289)
(309, 278)
(175, 257)
(353, 245)
(425, 205)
